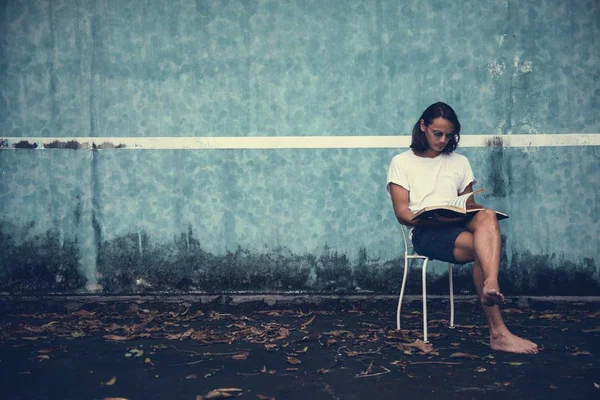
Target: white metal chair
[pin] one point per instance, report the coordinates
(409, 254)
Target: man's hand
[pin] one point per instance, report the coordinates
(471, 206)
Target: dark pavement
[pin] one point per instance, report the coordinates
(336, 349)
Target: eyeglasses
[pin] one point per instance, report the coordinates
(449, 136)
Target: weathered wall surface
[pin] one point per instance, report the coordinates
(252, 219)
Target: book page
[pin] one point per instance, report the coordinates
(461, 201)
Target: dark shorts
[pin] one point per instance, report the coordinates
(437, 243)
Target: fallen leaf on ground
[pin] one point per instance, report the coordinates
(240, 356)
(480, 369)
(464, 355)
(311, 337)
(515, 363)
(270, 347)
(305, 324)
(547, 316)
(77, 334)
(110, 382)
(187, 334)
(597, 386)
(219, 393)
(52, 349)
(261, 397)
(191, 376)
(596, 329)
(399, 363)
(322, 370)
(116, 338)
(581, 353)
(292, 360)
(421, 345)
(116, 398)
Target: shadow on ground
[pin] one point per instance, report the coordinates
(331, 350)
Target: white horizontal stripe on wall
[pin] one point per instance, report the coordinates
(290, 142)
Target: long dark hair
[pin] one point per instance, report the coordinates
(436, 110)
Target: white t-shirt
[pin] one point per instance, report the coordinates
(430, 181)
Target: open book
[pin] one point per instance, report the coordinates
(455, 208)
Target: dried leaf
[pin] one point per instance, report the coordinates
(421, 345)
(305, 324)
(43, 357)
(116, 398)
(77, 334)
(270, 347)
(241, 356)
(174, 336)
(515, 363)
(596, 329)
(261, 397)
(292, 360)
(215, 394)
(323, 370)
(116, 338)
(340, 333)
(480, 369)
(311, 337)
(187, 334)
(547, 316)
(399, 363)
(597, 386)
(304, 350)
(464, 355)
(581, 353)
(219, 394)
(110, 382)
(52, 349)
(191, 376)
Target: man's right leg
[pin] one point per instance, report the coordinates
(501, 338)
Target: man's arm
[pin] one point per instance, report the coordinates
(403, 213)
(471, 200)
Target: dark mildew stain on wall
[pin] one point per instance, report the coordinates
(43, 265)
(71, 144)
(496, 167)
(24, 144)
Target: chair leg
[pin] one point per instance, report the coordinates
(425, 301)
(401, 293)
(451, 295)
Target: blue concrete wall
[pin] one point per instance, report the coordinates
(287, 219)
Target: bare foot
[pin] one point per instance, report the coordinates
(513, 344)
(491, 295)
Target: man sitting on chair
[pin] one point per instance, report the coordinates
(431, 174)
